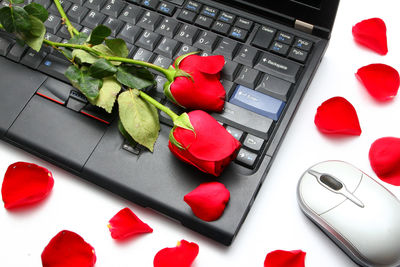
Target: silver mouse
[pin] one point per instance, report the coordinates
(357, 213)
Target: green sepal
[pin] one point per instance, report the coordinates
(168, 94)
(179, 59)
(182, 121)
(173, 140)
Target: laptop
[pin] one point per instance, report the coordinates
(272, 51)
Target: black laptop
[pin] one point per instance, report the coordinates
(272, 50)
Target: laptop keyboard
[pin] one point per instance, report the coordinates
(263, 63)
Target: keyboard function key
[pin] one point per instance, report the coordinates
(221, 27)
(149, 21)
(150, 4)
(274, 87)
(226, 47)
(236, 133)
(209, 12)
(285, 38)
(187, 34)
(187, 16)
(263, 37)
(193, 6)
(247, 77)
(206, 41)
(243, 24)
(238, 34)
(298, 55)
(131, 14)
(226, 17)
(246, 158)
(278, 66)
(203, 21)
(302, 44)
(113, 8)
(166, 9)
(279, 48)
(253, 142)
(246, 55)
(168, 27)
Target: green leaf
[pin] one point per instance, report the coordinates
(88, 85)
(135, 77)
(102, 68)
(36, 10)
(125, 134)
(83, 57)
(108, 94)
(79, 39)
(106, 51)
(98, 35)
(16, 2)
(139, 118)
(15, 19)
(36, 35)
(118, 47)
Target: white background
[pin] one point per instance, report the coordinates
(274, 222)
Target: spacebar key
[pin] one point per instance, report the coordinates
(245, 120)
(278, 67)
(55, 66)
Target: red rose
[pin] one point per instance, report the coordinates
(209, 147)
(196, 84)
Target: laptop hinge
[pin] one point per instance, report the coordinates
(303, 26)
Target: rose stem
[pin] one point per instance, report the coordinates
(71, 29)
(158, 105)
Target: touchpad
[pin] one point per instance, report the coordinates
(56, 132)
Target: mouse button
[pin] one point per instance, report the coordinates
(315, 196)
(346, 173)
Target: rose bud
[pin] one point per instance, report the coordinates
(198, 139)
(195, 83)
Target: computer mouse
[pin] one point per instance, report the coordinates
(361, 216)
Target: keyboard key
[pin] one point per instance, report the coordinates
(253, 142)
(131, 14)
(298, 55)
(16, 51)
(284, 37)
(187, 34)
(5, 45)
(244, 24)
(238, 34)
(226, 47)
(167, 47)
(193, 6)
(168, 27)
(113, 8)
(44, 3)
(229, 70)
(77, 13)
(185, 49)
(247, 77)
(166, 9)
(246, 55)
(279, 48)
(236, 133)
(78, 2)
(95, 4)
(257, 102)
(177, 2)
(228, 86)
(263, 37)
(148, 40)
(114, 24)
(53, 23)
(129, 33)
(246, 158)
(206, 41)
(279, 67)
(302, 44)
(63, 31)
(162, 61)
(55, 90)
(226, 17)
(187, 16)
(209, 12)
(53, 8)
(150, 4)
(149, 21)
(134, 1)
(203, 21)
(220, 27)
(143, 55)
(93, 19)
(55, 67)
(245, 120)
(274, 87)
(33, 59)
(159, 88)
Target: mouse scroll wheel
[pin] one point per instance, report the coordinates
(331, 182)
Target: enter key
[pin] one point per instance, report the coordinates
(257, 102)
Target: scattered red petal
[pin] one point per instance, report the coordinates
(384, 156)
(25, 183)
(208, 200)
(182, 255)
(68, 249)
(372, 34)
(382, 81)
(282, 258)
(125, 223)
(337, 116)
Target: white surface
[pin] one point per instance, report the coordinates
(274, 222)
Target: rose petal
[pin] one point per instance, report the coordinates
(337, 116)
(182, 255)
(282, 258)
(68, 249)
(211, 64)
(381, 81)
(372, 34)
(125, 223)
(384, 156)
(208, 200)
(25, 183)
